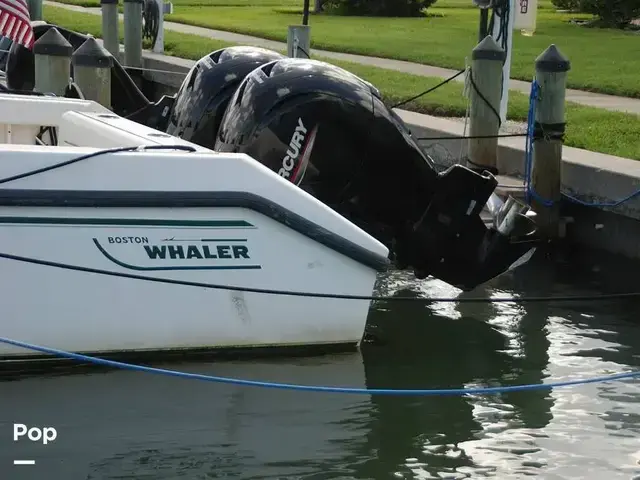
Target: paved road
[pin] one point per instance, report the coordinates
(608, 102)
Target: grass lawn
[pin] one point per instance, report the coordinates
(589, 128)
(603, 60)
(544, 4)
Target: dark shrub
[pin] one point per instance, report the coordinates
(610, 13)
(570, 5)
(378, 8)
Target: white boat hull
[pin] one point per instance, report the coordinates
(89, 312)
(198, 216)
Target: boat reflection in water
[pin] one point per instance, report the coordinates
(451, 345)
(120, 424)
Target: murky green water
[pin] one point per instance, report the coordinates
(124, 425)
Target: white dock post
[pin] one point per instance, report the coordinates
(52, 63)
(110, 36)
(92, 71)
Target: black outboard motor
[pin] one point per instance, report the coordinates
(205, 92)
(328, 131)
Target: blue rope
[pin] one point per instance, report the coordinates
(528, 162)
(528, 148)
(320, 389)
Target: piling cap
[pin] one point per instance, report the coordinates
(52, 44)
(552, 61)
(108, 2)
(488, 49)
(92, 54)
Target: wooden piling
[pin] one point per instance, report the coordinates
(92, 71)
(133, 33)
(484, 113)
(546, 180)
(299, 41)
(35, 10)
(52, 63)
(110, 36)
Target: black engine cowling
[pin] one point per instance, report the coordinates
(207, 88)
(330, 133)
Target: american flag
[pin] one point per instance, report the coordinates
(15, 22)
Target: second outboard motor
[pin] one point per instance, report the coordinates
(205, 92)
(328, 131)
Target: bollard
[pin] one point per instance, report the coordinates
(92, 71)
(484, 112)
(52, 63)
(133, 33)
(549, 128)
(299, 41)
(110, 36)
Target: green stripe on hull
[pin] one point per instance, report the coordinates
(114, 222)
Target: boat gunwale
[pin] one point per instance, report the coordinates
(194, 199)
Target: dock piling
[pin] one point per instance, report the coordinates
(35, 10)
(546, 173)
(110, 36)
(133, 33)
(485, 93)
(92, 71)
(52, 54)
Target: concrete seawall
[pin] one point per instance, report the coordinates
(588, 176)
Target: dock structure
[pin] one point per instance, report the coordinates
(587, 197)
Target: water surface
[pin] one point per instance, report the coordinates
(127, 425)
